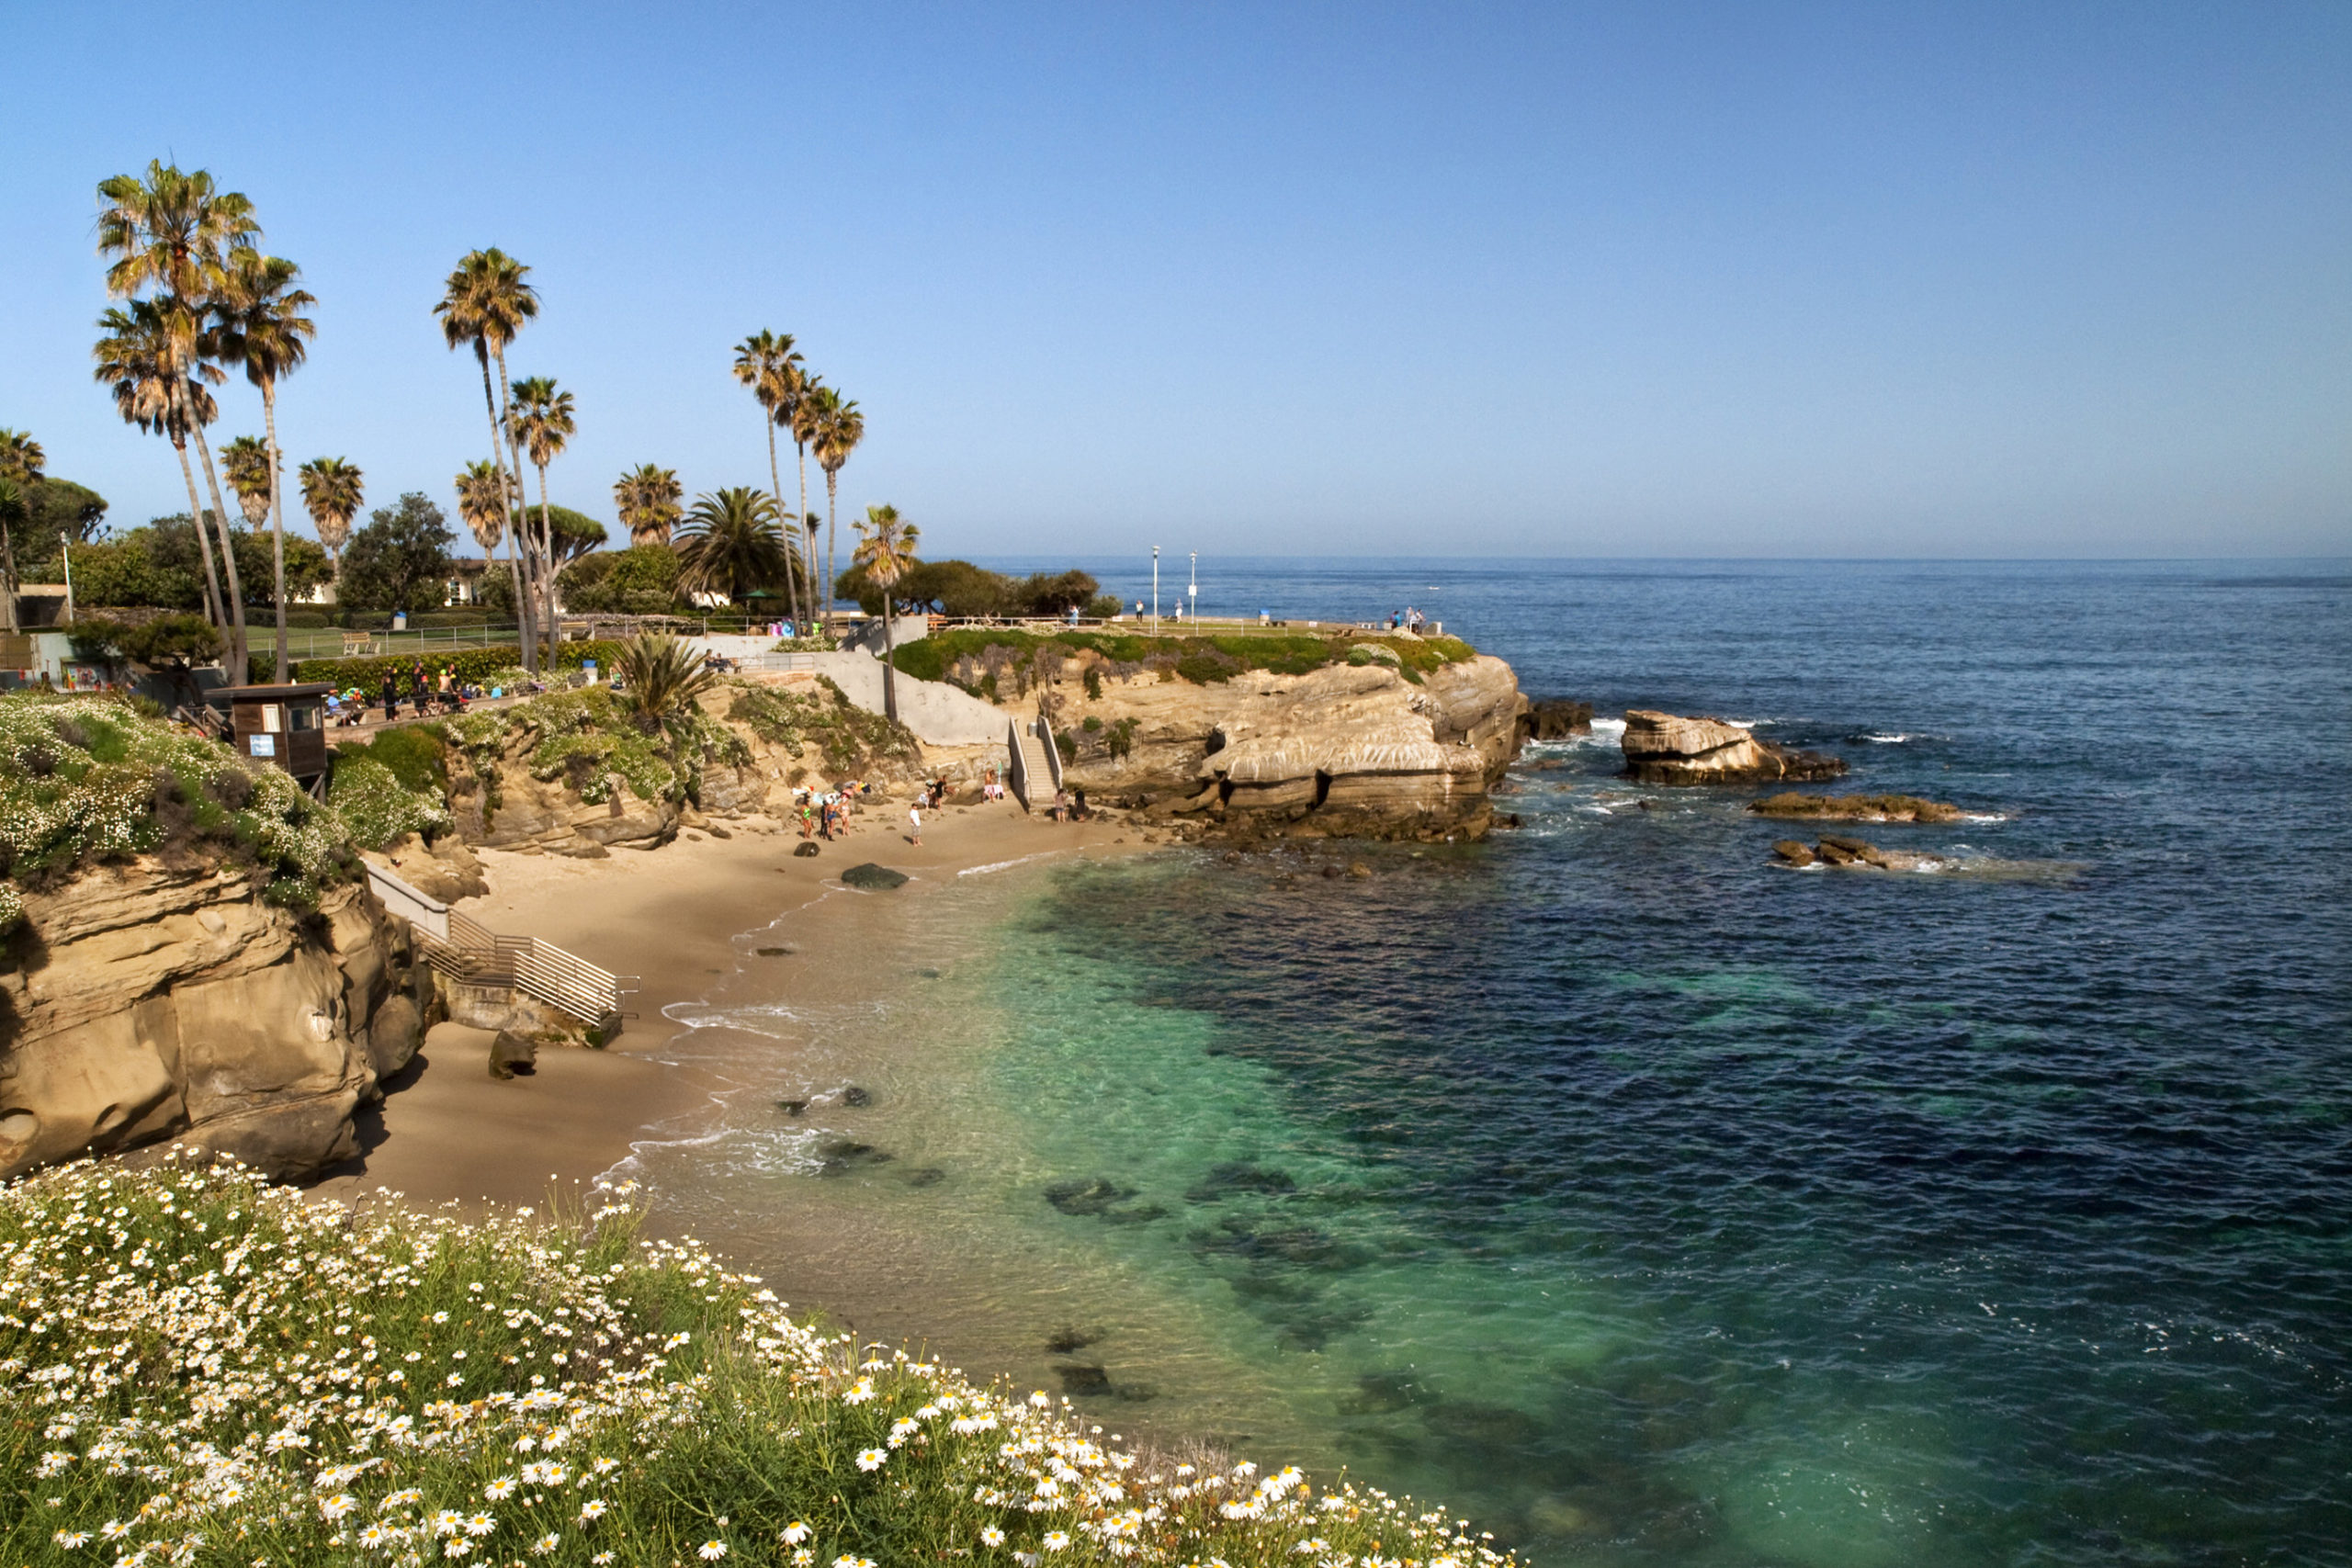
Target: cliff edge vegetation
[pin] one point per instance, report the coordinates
(196, 1369)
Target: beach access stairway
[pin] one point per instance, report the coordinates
(472, 953)
(1032, 763)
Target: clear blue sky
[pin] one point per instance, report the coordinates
(1642, 280)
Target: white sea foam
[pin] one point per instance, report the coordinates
(1886, 740)
(1001, 865)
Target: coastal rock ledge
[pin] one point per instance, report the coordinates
(1665, 749)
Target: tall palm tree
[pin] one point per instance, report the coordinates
(486, 501)
(732, 544)
(135, 358)
(768, 363)
(173, 236)
(800, 418)
(257, 322)
(332, 489)
(836, 427)
(485, 303)
(541, 422)
(648, 497)
(886, 552)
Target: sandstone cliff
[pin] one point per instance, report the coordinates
(1663, 748)
(1347, 749)
(148, 1003)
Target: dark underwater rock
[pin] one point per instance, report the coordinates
(857, 1098)
(1238, 1176)
(874, 878)
(842, 1156)
(1102, 1199)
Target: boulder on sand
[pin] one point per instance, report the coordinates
(1667, 748)
(874, 878)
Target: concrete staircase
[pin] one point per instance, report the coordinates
(1032, 769)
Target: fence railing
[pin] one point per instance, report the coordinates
(469, 952)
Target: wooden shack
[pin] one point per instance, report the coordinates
(284, 726)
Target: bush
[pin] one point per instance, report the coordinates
(474, 664)
(376, 806)
(189, 1356)
(1203, 661)
(417, 755)
(847, 737)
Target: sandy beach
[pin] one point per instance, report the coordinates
(447, 1130)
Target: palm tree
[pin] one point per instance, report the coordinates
(648, 497)
(485, 303)
(173, 236)
(257, 322)
(540, 419)
(486, 501)
(886, 552)
(661, 679)
(332, 491)
(135, 357)
(800, 418)
(246, 462)
(837, 428)
(732, 545)
(768, 363)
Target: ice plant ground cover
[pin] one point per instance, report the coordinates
(197, 1367)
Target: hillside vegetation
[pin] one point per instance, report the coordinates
(994, 661)
(197, 1369)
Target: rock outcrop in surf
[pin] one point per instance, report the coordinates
(1667, 748)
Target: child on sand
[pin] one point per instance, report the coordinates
(914, 823)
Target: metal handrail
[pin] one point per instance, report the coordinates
(476, 954)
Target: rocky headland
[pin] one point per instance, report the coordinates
(1667, 748)
(1364, 746)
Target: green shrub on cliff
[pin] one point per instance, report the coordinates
(196, 1367)
(1203, 661)
(588, 740)
(847, 737)
(376, 806)
(483, 666)
(90, 780)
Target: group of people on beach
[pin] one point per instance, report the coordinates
(825, 813)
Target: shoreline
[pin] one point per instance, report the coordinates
(447, 1131)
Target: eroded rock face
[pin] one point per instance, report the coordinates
(1549, 718)
(1667, 748)
(147, 1004)
(1353, 751)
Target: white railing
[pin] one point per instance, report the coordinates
(466, 950)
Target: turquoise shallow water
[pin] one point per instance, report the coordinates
(1647, 1202)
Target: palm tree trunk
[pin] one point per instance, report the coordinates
(276, 523)
(506, 526)
(532, 573)
(890, 665)
(228, 556)
(547, 543)
(203, 541)
(800, 449)
(832, 480)
(792, 535)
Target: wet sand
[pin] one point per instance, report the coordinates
(447, 1130)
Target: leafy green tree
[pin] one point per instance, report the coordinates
(400, 560)
(732, 545)
(639, 581)
(886, 553)
(262, 556)
(943, 587)
(1057, 594)
(170, 646)
(125, 573)
(571, 534)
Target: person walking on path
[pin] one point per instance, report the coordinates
(914, 824)
(391, 697)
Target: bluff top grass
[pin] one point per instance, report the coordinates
(197, 1369)
(1203, 661)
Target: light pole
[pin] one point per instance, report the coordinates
(1195, 576)
(1155, 590)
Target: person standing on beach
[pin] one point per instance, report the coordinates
(914, 823)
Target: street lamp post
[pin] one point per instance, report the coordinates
(1155, 590)
(1193, 574)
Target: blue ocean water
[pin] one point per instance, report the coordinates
(1651, 1203)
